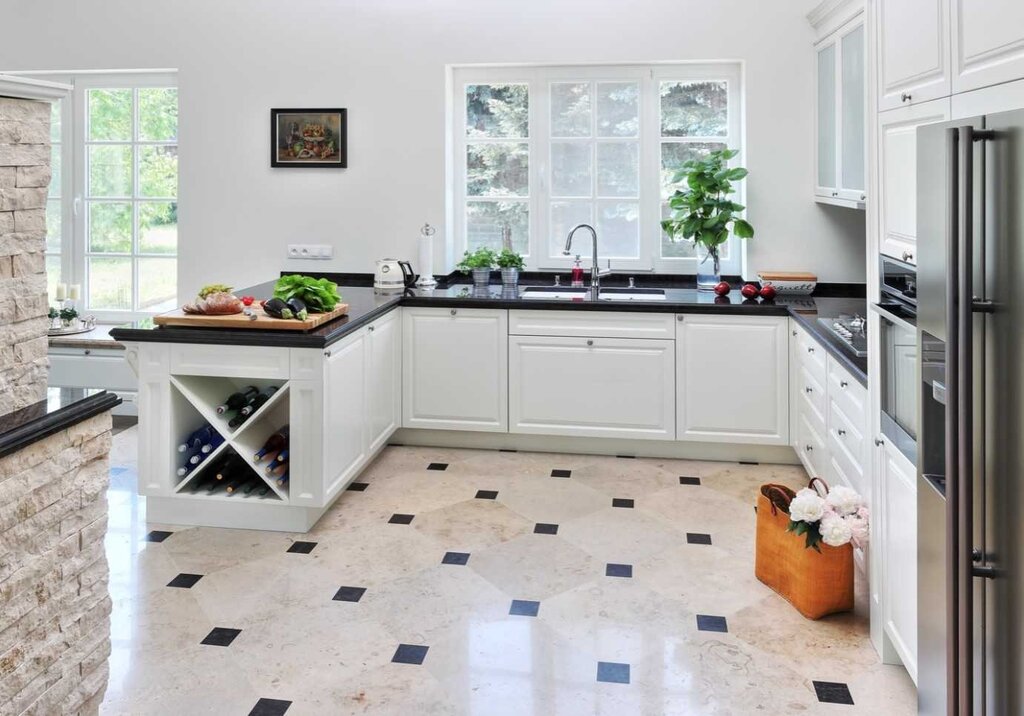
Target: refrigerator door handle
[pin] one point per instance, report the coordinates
(952, 424)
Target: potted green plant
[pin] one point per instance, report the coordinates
(510, 263)
(67, 316)
(703, 213)
(479, 263)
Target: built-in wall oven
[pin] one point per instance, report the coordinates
(900, 382)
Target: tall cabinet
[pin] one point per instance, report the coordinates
(841, 105)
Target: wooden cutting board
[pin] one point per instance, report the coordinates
(240, 320)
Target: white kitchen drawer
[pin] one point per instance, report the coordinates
(811, 354)
(811, 448)
(851, 396)
(91, 368)
(592, 324)
(230, 361)
(812, 393)
(845, 436)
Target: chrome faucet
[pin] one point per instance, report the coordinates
(595, 272)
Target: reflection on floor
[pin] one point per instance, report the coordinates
(481, 582)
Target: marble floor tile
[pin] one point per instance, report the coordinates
(518, 627)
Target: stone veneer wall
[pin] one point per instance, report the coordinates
(24, 183)
(54, 599)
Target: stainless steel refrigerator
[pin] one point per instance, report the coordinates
(970, 319)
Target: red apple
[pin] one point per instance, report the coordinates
(749, 290)
(722, 288)
(768, 292)
(722, 299)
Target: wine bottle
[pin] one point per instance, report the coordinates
(197, 438)
(184, 470)
(252, 485)
(274, 444)
(283, 480)
(263, 491)
(277, 470)
(237, 420)
(237, 482)
(230, 464)
(257, 402)
(236, 401)
(212, 444)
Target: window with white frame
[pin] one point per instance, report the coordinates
(112, 224)
(537, 150)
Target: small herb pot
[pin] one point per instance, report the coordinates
(481, 276)
(510, 276)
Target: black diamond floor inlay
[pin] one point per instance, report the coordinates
(749, 462)
(349, 594)
(437, 466)
(158, 536)
(622, 502)
(410, 654)
(626, 457)
(524, 608)
(832, 692)
(507, 450)
(686, 480)
(698, 538)
(612, 673)
(707, 622)
(561, 473)
(302, 547)
(221, 636)
(270, 707)
(542, 528)
(358, 486)
(455, 558)
(486, 494)
(399, 519)
(185, 581)
(618, 570)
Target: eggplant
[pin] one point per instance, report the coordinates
(276, 308)
(298, 308)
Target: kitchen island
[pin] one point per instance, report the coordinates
(682, 376)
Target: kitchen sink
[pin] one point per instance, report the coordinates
(607, 294)
(632, 294)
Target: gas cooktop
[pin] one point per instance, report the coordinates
(852, 331)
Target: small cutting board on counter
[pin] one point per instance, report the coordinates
(240, 320)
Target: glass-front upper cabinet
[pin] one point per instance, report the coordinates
(841, 176)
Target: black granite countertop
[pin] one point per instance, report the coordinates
(365, 305)
(62, 408)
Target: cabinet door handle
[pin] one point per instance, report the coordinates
(843, 384)
(808, 389)
(370, 329)
(679, 318)
(454, 311)
(810, 350)
(88, 352)
(590, 342)
(809, 448)
(879, 442)
(794, 333)
(905, 97)
(840, 432)
(327, 354)
(907, 256)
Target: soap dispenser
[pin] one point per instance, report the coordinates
(577, 272)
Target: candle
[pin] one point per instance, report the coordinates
(62, 291)
(75, 291)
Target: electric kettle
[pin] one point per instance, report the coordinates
(393, 275)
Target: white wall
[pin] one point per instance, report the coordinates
(385, 61)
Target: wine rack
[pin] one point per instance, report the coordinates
(194, 401)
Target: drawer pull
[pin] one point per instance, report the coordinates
(843, 384)
(454, 311)
(809, 448)
(794, 333)
(88, 352)
(810, 350)
(590, 342)
(879, 442)
(840, 432)
(679, 318)
(327, 354)
(808, 389)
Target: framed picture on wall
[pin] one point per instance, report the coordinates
(308, 138)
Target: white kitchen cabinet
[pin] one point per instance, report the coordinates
(898, 507)
(383, 378)
(345, 411)
(987, 43)
(913, 52)
(732, 379)
(95, 368)
(593, 387)
(455, 369)
(842, 116)
(897, 162)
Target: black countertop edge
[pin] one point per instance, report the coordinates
(619, 279)
(857, 367)
(41, 420)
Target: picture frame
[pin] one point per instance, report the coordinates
(315, 138)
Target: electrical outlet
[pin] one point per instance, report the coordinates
(310, 251)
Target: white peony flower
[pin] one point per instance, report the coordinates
(844, 500)
(807, 506)
(859, 526)
(835, 531)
